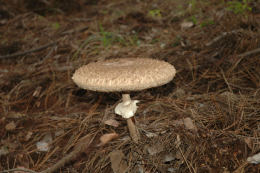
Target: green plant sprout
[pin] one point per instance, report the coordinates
(106, 37)
(206, 23)
(239, 7)
(176, 41)
(134, 40)
(56, 25)
(194, 20)
(155, 13)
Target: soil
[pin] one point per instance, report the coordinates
(206, 120)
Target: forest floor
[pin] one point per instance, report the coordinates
(206, 120)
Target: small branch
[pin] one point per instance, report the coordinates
(251, 52)
(76, 152)
(18, 169)
(28, 51)
(216, 39)
(72, 31)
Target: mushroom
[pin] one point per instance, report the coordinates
(124, 75)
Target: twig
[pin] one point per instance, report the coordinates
(18, 169)
(191, 169)
(216, 39)
(251, 52)
(29, 51)
(78, 149)
(241, 167)
(81, 29)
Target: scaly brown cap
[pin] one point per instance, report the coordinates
(124, 74)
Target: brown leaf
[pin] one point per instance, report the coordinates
(28, 136)
(249, 142)
(112, 122)
(188, 123)
(107, 138)
(154, 149)
(186, 25)
(10, 126)
(118, 163)
(85, 144)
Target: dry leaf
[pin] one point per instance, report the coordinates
(168, 158)
(178, 122)
(44, 144)
(150, 134)
(107, 138)
(84, 143)
(255, 159)
(186, 25)
(118, 163)
(154, 149)
(4, 151)
(249, 142)
(28, 136)
(188, 123)
(112, 122)
(10, 126)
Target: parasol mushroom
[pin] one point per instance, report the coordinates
(124, 75)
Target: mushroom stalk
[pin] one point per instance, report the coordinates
(126, 97)
(127, 109)
(134, 133)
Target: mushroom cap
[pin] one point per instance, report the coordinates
(124, 74)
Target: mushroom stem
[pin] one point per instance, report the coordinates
(134, 133)
(126, 97)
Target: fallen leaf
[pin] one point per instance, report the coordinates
(4, 150)
(186, 25)
(107, 138)
(150, 134)
(255, 159)
(59, 132)
(180, 93)
(28, 136)
(178, 122)
(10, 126)
(249, 142)
(168, 158)
(84, 143)
(154, 149)
(44, 144)
(188, 123)
(112, 122)
(118, 163)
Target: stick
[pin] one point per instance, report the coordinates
(77, 151)
(18, 169)
(251, 52)
(29, 51)
(220, 37)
